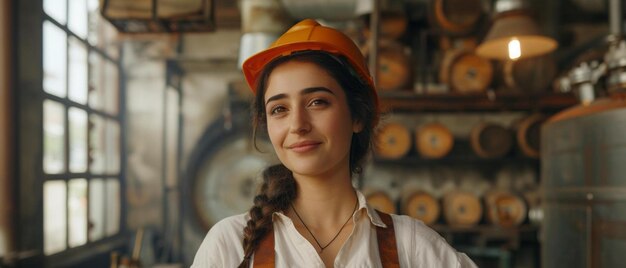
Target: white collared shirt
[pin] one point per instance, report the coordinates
(418, 245)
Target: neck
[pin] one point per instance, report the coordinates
(334, 197)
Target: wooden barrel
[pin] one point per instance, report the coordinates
(392, 25)
(393, 141)
(450, 42)
(461, 208)
(528, 134)
(491, 140)
(422, 206)
(465, 72)
(456, 16)
(380, 200)
(530, 75)
(504, 208)
(394, 69)
(433, 140)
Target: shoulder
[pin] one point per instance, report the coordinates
(421, 246)
(418, 231)
(222, 246)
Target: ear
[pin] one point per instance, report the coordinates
(357, 126)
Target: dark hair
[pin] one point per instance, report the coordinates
(279, 186)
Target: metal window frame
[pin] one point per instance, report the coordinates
(29, 176)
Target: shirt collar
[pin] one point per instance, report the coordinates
(372, 214)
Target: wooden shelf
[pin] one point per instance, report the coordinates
(485, 235)
(489, 229)
(405, 101)
(458, 161)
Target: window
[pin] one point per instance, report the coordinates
(82, 126)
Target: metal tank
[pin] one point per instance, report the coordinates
(584, 186)
(583, 162)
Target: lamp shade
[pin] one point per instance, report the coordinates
(518, 26)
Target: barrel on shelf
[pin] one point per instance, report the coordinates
(462, 208)
(465, 72)
(393, 141)
(421, 205)
(456, 17)
(505, 209)
(490, 140)
(534, 74)
(527, 133)
(392, 25)
(394, 66)
(433, 140)
(380, 200)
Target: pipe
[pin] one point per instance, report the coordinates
(615, 17)
(262, 22)
(325, 9)
(6, 133)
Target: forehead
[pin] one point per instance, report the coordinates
(294, 76)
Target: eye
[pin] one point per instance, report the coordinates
(277, 110)
(318, 102)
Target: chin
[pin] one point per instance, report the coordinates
(305, 169)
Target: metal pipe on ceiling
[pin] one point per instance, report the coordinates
(615, 17)
(262, 22)
(327, 9)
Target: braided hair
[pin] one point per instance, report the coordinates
(279, 186)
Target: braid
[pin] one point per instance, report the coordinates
(277, 192)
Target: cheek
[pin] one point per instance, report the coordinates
(275, 133)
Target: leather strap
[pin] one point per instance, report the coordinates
(387, 247)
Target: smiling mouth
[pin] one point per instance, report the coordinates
(303, 147)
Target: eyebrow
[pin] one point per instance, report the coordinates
(303, 92)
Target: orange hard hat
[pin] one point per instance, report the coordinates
(307, 35)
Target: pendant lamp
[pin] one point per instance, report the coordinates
(514, 34)
(159, 16)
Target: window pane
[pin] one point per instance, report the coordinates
(96, 209)
(97, 144)
(55, 216)
(55, 9)
(77, 71)
(77, 19)
(54, 137)
(113, 207)
(110, 87)
(112, 147)
(78, 140)
(77, 203)
(54, 59)
(103, 79)
(101, 32)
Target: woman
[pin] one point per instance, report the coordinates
(316, 100)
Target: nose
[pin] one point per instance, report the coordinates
(300, 121)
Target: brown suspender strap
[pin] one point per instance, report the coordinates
(387, 247)
(264, 254)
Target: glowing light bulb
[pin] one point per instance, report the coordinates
(515, 50)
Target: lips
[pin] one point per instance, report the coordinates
(303, 146)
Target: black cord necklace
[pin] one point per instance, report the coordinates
(337, 235)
